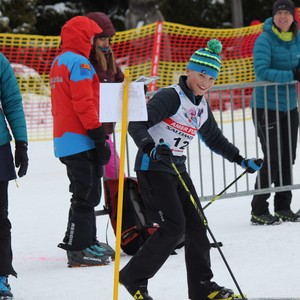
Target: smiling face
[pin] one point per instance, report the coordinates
(199, 83)
(283, 19)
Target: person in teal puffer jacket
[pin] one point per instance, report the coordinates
(11, 117)
(276, 55)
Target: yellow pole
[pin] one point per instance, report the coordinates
(121, 182)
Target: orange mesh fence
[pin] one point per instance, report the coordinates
(160, 49)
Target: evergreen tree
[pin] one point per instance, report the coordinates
(52, 16)
(199, 13)
(46, 17)
(18, 16)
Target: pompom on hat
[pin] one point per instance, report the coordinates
(207, 60)
(284, 5)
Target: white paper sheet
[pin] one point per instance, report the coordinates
(111, 102)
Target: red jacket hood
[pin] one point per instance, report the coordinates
(76, 35)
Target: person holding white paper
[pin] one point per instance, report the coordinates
(108, 71)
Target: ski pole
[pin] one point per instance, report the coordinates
(208, 229)
(226, 188)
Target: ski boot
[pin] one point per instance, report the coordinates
(137, 292)
(87, 257)
(104, 249)
(216, 292)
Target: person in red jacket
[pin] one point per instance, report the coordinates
(79, 138)
(107, 69)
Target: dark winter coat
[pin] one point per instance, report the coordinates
(106, 25)
(11, 107)
(108, 75)
(164, 104)
(275, 60)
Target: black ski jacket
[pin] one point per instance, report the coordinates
(165, 103)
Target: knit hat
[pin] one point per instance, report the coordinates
(104, 23)
(207, 60)
(284, 5)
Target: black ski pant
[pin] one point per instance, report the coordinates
(275, 127)
(85, 187)
(169, 205)
(5, 233)
(7, 173)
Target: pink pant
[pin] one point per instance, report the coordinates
(111, 170)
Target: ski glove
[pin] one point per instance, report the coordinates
(252, 165)
(102, 148)
(161, 151)
(297, 75)
(21, 158)
(109, 127)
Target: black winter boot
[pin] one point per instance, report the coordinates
(287, 216)
(265, 219)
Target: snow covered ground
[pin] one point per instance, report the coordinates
(264, 259)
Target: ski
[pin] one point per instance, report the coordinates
(272, 298)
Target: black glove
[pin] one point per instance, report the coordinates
(102, 148)
(297, 75)
(252, 165)
(109, 127)
(145, 89)
(21, 158)
(160, 152)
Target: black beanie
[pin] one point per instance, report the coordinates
(284, 5)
